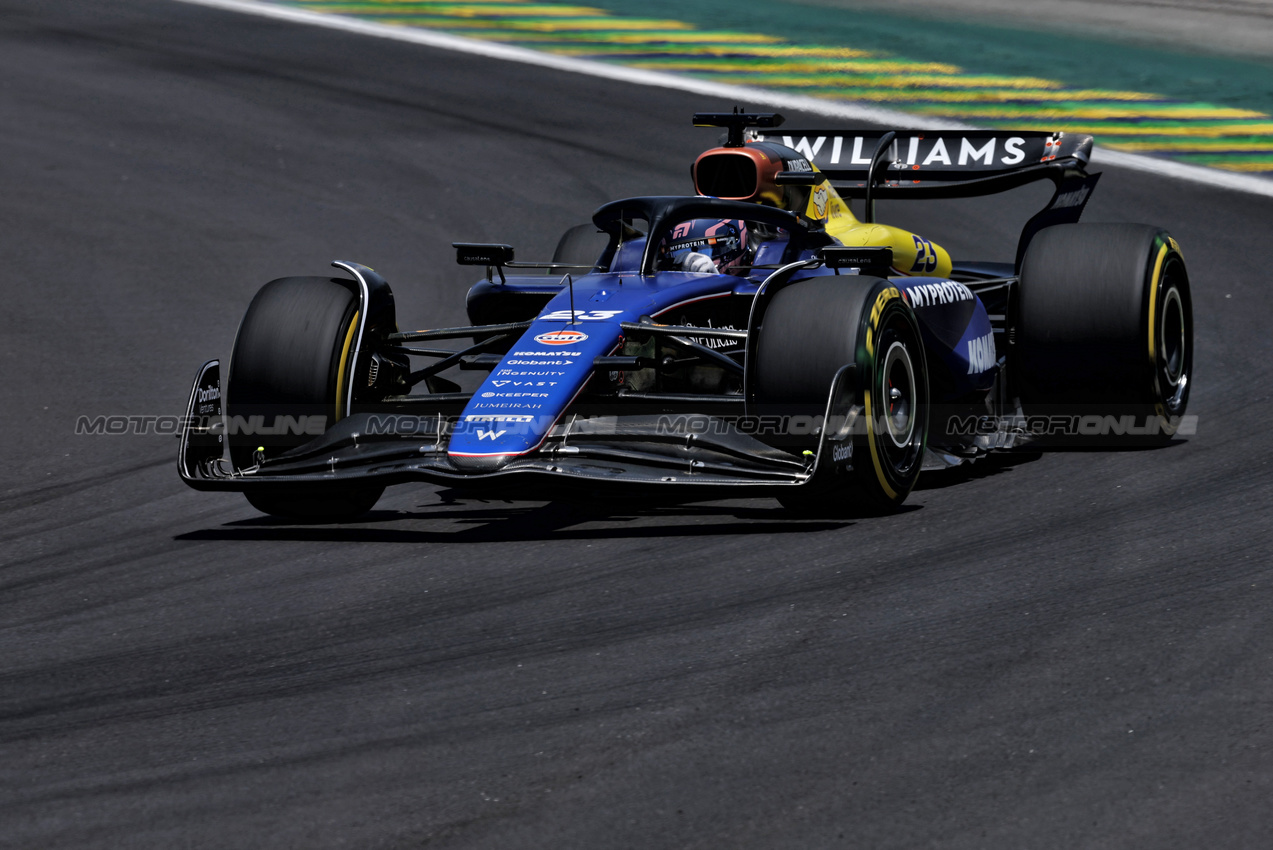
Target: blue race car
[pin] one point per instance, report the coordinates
(756, 338)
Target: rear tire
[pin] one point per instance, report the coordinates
(810, 330)
(1105, 332)
(291, 361)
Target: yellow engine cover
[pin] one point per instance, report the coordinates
(912, 254)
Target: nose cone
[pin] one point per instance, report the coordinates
(479, 463)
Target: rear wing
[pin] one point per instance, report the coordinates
(915, 163)
(920, 164)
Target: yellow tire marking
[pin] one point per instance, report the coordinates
(1159, 409)
(880, 300)
(1153, 305)
(340, 371)
(875, 455)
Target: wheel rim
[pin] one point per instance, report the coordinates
(1173, 358)
(899, 395)
(898, 412)
(1171, 332)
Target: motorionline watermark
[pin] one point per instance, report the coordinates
(130, 424)
(954, 425)
(409, 424)
(666, 425)
(764, 425)
(261, 425)
(1073, 425)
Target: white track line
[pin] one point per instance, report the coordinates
(743, 94)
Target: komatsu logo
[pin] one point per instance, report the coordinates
(547, 354)
(943, 292)
(981, 354)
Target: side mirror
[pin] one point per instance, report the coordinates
(489, 254)
(872, 261)
(482, 253)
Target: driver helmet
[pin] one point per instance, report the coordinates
(723, 241)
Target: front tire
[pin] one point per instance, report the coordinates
(812, 328)
(288, 382)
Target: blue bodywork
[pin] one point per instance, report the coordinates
(517, 406)
(956, 330)
(519, 422)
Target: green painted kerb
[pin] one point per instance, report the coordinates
(986, 78)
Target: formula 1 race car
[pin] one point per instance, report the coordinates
(756, 338)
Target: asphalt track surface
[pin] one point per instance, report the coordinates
(1064, 651)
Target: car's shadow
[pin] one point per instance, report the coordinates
(455, 519)
(475, 521)
(1004, 462)
(986, 467)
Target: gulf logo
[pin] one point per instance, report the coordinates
(561, 337)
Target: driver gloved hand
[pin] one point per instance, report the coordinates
(698, 263)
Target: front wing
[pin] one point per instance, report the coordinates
(613, 451)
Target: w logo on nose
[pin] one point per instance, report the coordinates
(490, 435)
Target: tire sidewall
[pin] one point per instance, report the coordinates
(259, 384)
(885, 468)
(1168, 303)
